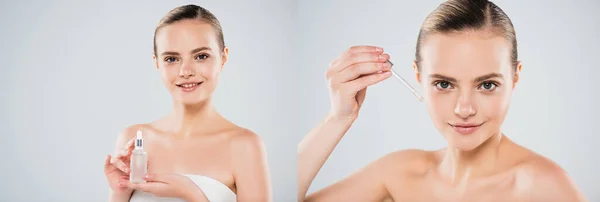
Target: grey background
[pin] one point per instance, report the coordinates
(74, 74)
(553, 110)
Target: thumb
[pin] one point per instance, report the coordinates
(107, 165)
(107, 161)
(360, 96)
(164, 178)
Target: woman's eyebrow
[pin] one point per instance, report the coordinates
(199, 49)
(486, 77)
(476, 80)
(442, 77)
(191, 52)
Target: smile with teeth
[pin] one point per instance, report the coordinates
(188, 85)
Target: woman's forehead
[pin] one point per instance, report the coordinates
(465, 52)
(186, 35)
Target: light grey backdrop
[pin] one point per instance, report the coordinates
(554, 108)
(74, 74)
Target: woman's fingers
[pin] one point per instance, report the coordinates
(150, 187)
(365, 81)
(358, 58)
(358, 70)
(351, 73)
(125, 152)
(164, 178)
(130, 144)
(107, 163)
(356, 54)
(119, 164)
(364, 48)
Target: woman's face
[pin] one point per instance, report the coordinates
(189, 60)
(467, 81)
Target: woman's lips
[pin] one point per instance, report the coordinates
(189, 87)
(466, 128)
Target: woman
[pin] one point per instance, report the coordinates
(194, 153)
(466, 63)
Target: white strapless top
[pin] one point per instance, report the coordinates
(214, 191)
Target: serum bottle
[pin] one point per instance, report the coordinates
(139, 161)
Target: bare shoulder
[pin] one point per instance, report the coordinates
(250, 166)
(245, 138)
(545, 180)
(408, 162)
(249, 157)
(129, 132)
(244, 142)
(237, 135)
(397, 170)
(377, 180)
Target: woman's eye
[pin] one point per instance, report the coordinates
(443, 85)
(202, 57)
(488, 86)
(170, 59)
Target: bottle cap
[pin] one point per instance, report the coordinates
(139, 142)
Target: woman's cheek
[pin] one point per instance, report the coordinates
(494, 106)
(441, 107)
(210, 70)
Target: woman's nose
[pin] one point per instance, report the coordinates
(464, 106)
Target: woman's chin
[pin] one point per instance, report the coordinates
(464, 146)
(191, 100)
(463, 143)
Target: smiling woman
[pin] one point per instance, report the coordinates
(190, 52)
(194, 153)
(466, 63)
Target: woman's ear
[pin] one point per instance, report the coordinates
(155, 60)
(517, 73)
(417, 73)
(224, 56)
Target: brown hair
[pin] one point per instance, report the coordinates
(468, 15)
(192, 12)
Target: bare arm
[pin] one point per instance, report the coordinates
(551, 183)
(316, 147)
(367, 184)
(251, 172)
(348, 76)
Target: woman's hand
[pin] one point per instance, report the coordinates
(169, 185)
(351, 74)
(348, 76)
(116, 168)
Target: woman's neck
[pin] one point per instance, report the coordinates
(185, 120)
(461, 166)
